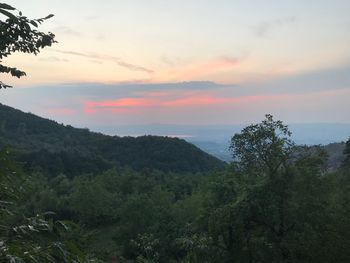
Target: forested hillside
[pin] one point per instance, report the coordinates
(336, 156)
(52, 148)
(274, 203)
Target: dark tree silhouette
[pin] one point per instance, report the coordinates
(346, 162)
(19, 34)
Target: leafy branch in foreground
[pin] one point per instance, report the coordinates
(35, 238)
(19, 34)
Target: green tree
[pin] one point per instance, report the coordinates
(261, 149)
(259, 211)
(19, 34)
(25, 238)
(346, 162)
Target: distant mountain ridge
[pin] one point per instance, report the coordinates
(215, 139)
(44, 145)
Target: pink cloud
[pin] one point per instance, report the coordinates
(161, 100)
(116, 105)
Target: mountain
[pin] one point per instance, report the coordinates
(215, 139)
(335, 152)
(52, 148)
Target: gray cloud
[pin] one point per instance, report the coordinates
(96, 61)
(92, 17)
(73, 95)
(264, 28)
(67, 31)
(231, 60)
(331, 79)
(317, 80)
(53, 59)
(100, 37)
(337, 78)
(166, 60)
(174, 61)
(99, 57)
(72, 92)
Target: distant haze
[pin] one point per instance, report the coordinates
(215, 139)
(302, 133)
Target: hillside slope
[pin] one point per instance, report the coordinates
(52, 148)
(336, 155)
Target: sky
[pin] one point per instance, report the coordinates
(186, 62)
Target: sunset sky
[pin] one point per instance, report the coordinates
(186, 62)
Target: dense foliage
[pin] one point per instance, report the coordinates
(346, 162)
(27, 236)
(51, 148)
(282, 207)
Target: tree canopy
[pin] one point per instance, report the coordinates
(262, 148)
(347, 154)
